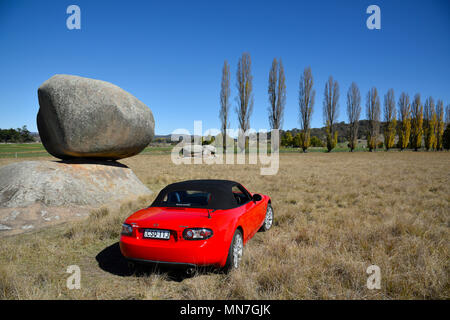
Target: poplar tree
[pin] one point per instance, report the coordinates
(244, 85)
(429, 121)
(306, 104)
(446, 138)
(390, 119)
(373, 115)
(416, 123)
(225, 102)
(277, 94)
(353, 112)
(440, 125)
(447, 114)
(404, 128)
(330, 111)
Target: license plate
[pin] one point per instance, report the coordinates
(157, 234)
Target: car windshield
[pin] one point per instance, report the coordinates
(187, 198)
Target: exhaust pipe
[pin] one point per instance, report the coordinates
(190, 271)
(131, 266)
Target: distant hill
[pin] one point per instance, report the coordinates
(157, 136)
(342, 129)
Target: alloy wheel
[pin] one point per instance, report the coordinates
(269, 218)
(237, 250)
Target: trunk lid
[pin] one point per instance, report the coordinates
(169, 218)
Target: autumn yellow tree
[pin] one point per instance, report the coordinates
(287, 139)
(404, 128)
(331, 137)
(440, 125)
(416, 123)
(389, 119)
(298, 140)
(304, 139)
(429, 124)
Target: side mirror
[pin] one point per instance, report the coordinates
(257, 197)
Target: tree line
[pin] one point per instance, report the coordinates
(18, 135)
(412, 122)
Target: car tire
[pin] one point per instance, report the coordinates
(235, 252)
(268, 220)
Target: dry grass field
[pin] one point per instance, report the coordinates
(335, 214)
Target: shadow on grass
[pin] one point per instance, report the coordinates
(111, 260)
(103, 162)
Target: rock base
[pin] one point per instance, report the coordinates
(58, 183)
(35, 193)
(38, 216)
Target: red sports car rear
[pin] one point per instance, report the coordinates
(196, 223)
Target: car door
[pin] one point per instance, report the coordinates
(260, 208)
(251, 213)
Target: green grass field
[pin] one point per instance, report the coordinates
(22, 150)
(27, 150)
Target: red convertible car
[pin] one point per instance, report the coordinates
(196, 223)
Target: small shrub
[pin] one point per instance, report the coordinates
(316, 142)
(287, 139)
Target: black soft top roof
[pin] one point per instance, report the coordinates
(221, 192)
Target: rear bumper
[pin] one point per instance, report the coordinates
(164, 263)
(175, 253)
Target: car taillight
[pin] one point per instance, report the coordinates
(127, 230)
(197, 234)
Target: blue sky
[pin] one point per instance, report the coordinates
(169, 54)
